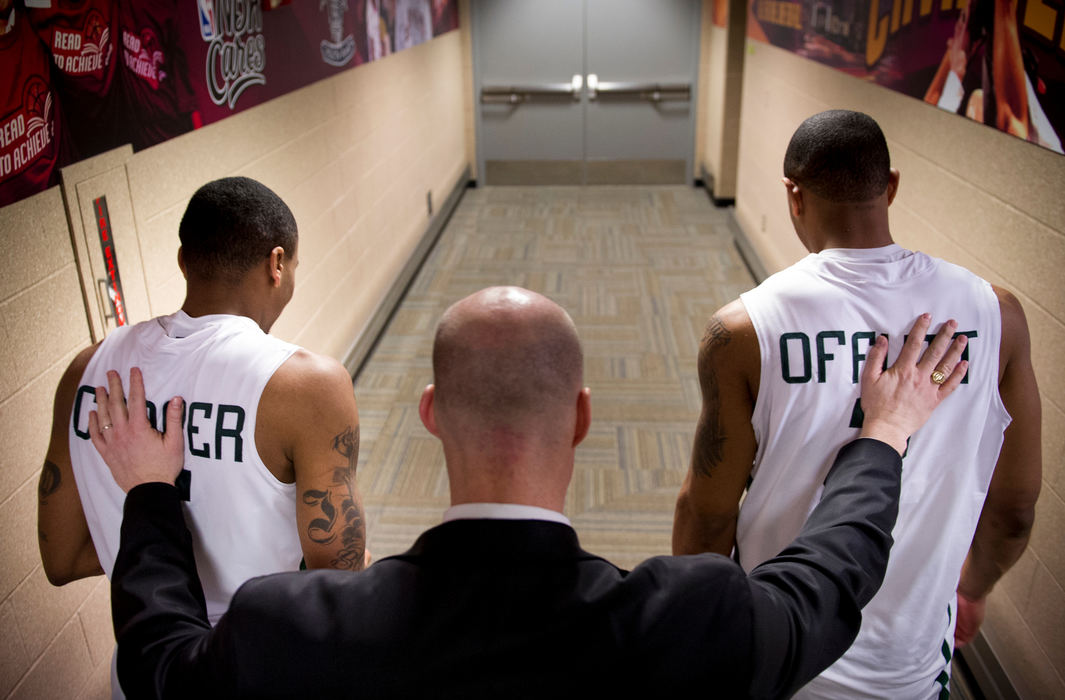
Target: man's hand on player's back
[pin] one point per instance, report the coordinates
(136, 452)
(899, 400)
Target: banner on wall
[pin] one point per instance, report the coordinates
(113, 281)
(79, 77)
(998, 62)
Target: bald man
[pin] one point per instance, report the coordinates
(500, 600)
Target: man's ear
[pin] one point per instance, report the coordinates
(181, 262)
(795, 200)
(584, 415)
(893, 186)
(427, 410)
(276, 265)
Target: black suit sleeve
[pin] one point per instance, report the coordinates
(165, 645)
(807, 601)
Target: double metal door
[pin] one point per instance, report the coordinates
(585, 91)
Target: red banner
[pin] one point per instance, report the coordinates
(80, 77)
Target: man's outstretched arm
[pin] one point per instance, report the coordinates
(67, 551)
(1009, 510)
(308, 419)
(157, 601)
(724, 447)
(808, 599)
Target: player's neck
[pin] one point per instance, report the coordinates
(850, 227)
(206, 300)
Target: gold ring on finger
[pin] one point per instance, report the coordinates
(938, 377)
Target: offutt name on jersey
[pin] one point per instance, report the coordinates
(212, 430)
(799, 350)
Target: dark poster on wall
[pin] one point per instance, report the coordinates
(998, 62)
(79, 77)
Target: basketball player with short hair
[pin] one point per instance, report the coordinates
(779, 372)
(272, 430)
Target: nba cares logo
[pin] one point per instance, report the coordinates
(208, 28)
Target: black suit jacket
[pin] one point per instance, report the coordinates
(503, 609)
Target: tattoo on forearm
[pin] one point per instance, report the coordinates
(710, 435)
(50, 481)
(347, 521)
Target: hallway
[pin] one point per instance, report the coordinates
(640, 269)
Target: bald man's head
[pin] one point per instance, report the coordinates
(506, 356)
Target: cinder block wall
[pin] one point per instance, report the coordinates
(354, 157)
(54, 642)
(976, 197)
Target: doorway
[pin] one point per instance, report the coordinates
(573, 92)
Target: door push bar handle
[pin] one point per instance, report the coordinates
(104, 285)
(516, 94)
(651, 92)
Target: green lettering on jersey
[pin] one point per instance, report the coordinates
(823, 356)
(222, 431)
(785, 358)
(857, 356)
(857, 414)
(82, 390)
(191, 429)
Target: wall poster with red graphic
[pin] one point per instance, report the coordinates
(998, 62)
(79, 77)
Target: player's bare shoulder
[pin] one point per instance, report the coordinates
(77, 366)
(307, 394)
(308, 373)
(730, 342)
(64, 398)
(1015, 343)
(729, 323)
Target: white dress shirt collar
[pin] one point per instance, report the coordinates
(503, 511)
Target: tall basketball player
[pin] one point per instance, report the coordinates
(272, 430)
(779, 369)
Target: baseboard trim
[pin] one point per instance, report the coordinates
(356, 356)
(706, 181)
(977, 673)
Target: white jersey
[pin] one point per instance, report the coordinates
(815, 323)
(242, 519)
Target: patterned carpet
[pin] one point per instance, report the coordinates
(640, 269)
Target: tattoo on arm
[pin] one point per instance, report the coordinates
(710, 435)
(50, 481)
(347, 522)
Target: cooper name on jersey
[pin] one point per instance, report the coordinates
(799, 351)
(212, 430)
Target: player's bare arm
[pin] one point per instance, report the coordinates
(67, 551)
(1009, 510)
(308, 430)
(723, 453)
